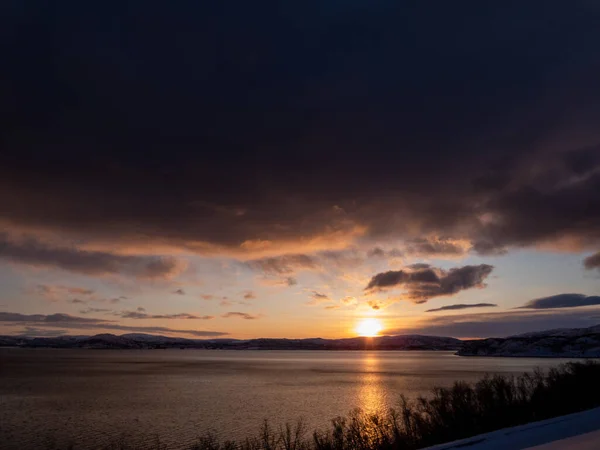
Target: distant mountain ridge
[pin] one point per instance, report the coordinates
(562, 342)
(141, 341)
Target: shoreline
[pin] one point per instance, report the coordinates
(529, 356)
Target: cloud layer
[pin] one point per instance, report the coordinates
(240, 315)
(141, 314)
(283, 265)
(68, 322)
(592, 262)
(35, 253)
(424, 282)
(484, 118)
(563, 301)
(500, 324)
(462, 306)
(58, 292)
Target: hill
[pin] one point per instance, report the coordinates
(139, 341)
(564, 342)
(567, 343)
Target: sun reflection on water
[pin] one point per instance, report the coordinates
(371, 395)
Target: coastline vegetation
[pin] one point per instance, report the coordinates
(460, 411)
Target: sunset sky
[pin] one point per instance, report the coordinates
(264, 169)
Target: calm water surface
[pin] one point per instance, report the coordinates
(92, 397)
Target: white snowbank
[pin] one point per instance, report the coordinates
(579, 431)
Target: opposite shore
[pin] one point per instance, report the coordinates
(563, 343)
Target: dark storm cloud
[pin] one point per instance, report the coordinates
(240, 315)
(214, 126)
(592, 262)
(553, 206)
(32, 252)
(563, 301)
(66, 321)
(387, 279)
(424, 283)
(462, 306)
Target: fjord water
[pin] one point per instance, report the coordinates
(95, 397)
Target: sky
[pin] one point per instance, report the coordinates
(287, 169)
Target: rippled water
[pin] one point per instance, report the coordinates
(92, 397)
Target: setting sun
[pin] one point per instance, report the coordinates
(369, 327)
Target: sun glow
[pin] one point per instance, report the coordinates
(369, 327)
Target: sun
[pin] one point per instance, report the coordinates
(369, 327)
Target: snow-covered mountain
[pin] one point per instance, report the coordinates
(579, 342)
(564, 342)
(135, 340)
